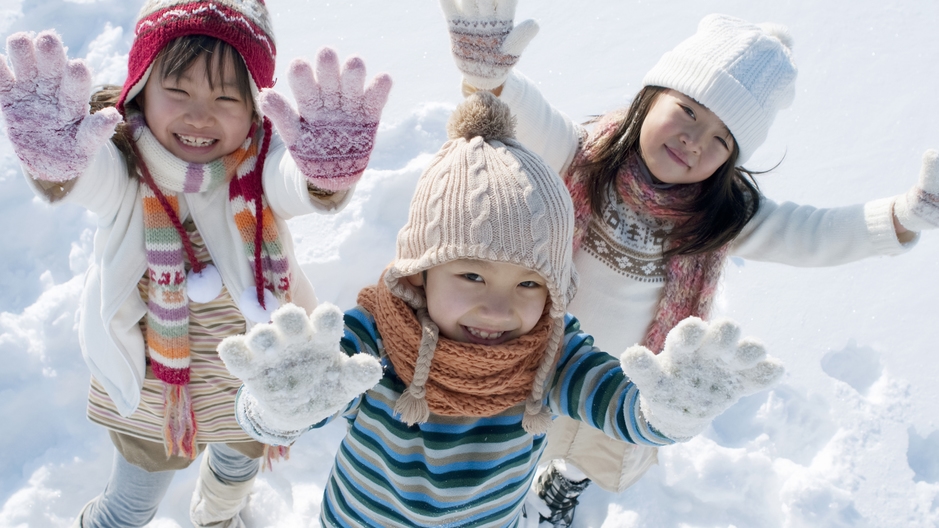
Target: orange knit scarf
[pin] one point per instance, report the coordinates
(466, 379)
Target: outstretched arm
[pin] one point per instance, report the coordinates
(658, 400)
(295, 374)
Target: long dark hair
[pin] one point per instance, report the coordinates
(177, 57)
(726, 202)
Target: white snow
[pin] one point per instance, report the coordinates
(850, 437)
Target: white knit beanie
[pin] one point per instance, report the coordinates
(742, 72)
(484, 196)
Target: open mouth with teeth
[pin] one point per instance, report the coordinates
(197, 142)
(484, 337)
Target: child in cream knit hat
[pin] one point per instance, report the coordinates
(453, 365)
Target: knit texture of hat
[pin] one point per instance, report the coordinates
(244, 24)
(484, 196)
(742, 72)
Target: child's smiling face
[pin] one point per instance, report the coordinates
(197, 121)
(478, 301)
(682, 141)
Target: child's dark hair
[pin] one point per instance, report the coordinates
(175, 59)
(727, 201)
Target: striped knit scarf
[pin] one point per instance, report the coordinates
(465, 379)
(168, 247)
(690, 280)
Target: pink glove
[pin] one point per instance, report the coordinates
(332, 136)
(485, 42)
(45, 103)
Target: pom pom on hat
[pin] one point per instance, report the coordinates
(482, 115)
(779, 31)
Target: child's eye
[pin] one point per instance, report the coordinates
(473, 277)
(723, 142)
(688, 111)
(529, 284)
(229, 99)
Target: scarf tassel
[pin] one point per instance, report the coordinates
(413, 409)
(537, 422)
(273, 453)
(179, 422)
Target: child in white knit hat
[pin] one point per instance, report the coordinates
(192, 195)
(661, 198)
(453, 365)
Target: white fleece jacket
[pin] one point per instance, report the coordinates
(110, 310)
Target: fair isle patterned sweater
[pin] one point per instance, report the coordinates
(620, 262)
(462, 472)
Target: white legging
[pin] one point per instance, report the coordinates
(132, 495)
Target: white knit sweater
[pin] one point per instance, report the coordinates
(620, 261)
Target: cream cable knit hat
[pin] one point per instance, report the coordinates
(742, 72)
(484, 196)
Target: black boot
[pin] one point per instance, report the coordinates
(560, 494)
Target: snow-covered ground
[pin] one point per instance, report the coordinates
(851, 436)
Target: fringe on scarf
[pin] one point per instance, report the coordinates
(179, 422)
(273, 454)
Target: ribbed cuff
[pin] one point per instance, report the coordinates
(249, 417)
(878, 214)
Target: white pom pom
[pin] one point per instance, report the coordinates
(779, 31)
(251, 308)
(205, 286)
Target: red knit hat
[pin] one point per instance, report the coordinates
(244, 24)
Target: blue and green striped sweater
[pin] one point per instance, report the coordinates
(463, 472)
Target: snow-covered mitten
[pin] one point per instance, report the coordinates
(45, 104)
(703, 370)
(485, 42)
(332, 135)
(294, 372)
(918, 209)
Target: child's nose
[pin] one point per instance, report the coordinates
(692, 139)
(198, 115)
(497, 309)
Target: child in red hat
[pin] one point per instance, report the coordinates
(192, 187)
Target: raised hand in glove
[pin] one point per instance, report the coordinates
(918, 209)
(45, 103)
(332, 133)
(704, 369)
(485, 42)
(294, 373)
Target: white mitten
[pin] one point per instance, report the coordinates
(485, 42)
(703, 370)
(918, 209)
(294, 372)
(45, 103)
(333, 134)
